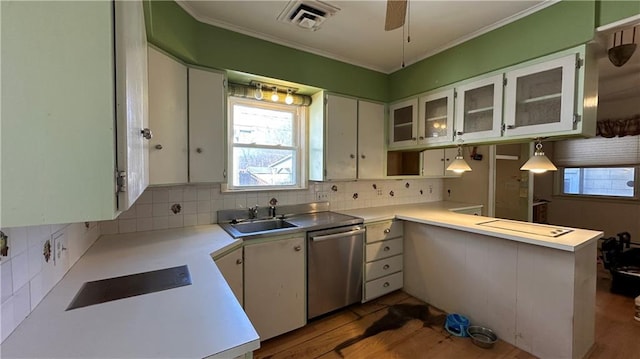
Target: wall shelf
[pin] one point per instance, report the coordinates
(543, 98)
(479, 110)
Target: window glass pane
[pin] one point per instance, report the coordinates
(263, 167)
(605, 181)
(262, 126)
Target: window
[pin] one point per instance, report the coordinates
(600, 181)
(266, 145)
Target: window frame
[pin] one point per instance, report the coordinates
(298, 146)
(559, 184)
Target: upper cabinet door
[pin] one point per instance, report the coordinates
(341, 137)
(131, 101)
(371, 149)
(436, 118)
(403, 117)
(207, 144)
(540, 98)
(168, 119)
(479, 109)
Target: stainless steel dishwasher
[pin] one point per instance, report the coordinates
(334, 269)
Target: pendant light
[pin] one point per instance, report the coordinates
(538, 163)
(621, 53)
(459, 165)
(258, 94)
(274, 94)
(289, 99)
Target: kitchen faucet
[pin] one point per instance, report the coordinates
(272, 207)
(253, 212)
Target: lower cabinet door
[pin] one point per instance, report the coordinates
(382, 286)
(230, 265)
(274, 286)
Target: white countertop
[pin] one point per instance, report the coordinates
(440, 214)
(194, 321)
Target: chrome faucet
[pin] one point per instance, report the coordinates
(253, 212)
(272, 207)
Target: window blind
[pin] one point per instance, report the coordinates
(597, 151)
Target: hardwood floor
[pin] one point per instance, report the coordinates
(342, 334)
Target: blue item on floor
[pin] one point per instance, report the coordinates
(457, 325)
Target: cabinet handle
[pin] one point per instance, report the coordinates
(413, 138)
(352, 156)
(297, 248)
(386, 266)
(238, 261)
(199, 150)
(421, 137)
(387, 230)
(447, 160)
(158, 147)
(386, 249)
(511, 127)
(146, 133)
(363, 156)
(386, 284)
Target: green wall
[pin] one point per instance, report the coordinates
(608, 11)
(560, 26)
(175, 31)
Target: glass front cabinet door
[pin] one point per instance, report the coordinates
(402, 120)
(479, 109)
(436, 118)
(540, 98)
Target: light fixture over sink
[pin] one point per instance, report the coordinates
(538, 163)
(459, 165)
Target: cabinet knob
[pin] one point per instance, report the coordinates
(446, 159)
(158, 147)
(413, 138)
(238, 261)
(421, 137)
(386, 284)
(199, 150)
(352, 155)
(386, 266)
(387, 230)
(363, 156)
(297, 248)
(146, 133)
(386, 249)
(511, 127)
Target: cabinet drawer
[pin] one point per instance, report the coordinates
(383, 267)
(382, 286)
(381, 231)
(384, 249)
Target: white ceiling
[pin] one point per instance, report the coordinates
(355, 34)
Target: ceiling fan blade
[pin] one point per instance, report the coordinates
(396, 11)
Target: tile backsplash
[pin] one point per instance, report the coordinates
(189, 205)
(27, 277)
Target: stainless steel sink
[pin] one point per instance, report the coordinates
(262, 225)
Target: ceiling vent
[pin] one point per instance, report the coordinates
(307, 14)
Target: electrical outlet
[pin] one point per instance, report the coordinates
(322, 196)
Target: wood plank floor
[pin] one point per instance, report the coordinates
(341, 335)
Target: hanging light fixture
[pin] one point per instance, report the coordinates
(289, 99)
(459, 165)
(274, 94)
(621, 53)
(258, 94)
(538, 163)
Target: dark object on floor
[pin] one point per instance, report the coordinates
(397, 316)
(482, 337)
(624, 264)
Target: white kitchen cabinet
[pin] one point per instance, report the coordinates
(168, 154)
(207, 134)
(479, 109)
(435, 112)
(383, 259)
(337, 148)
(274, 285)
(403, 123)
(67, 129)
(231, 267)
(371, 151)
(540, 98)
(435, 162)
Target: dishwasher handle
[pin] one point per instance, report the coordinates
(337, 235)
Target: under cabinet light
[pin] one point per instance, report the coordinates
(289, 99)
(274, 94)
(258, 94)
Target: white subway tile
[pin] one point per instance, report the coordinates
(6, 287)
(7, 325)
(204, 206)
(160, 223)
(160, 195)
(21, 304)
(190, 194)
(35, 260)
(190, 220)
(146, 197)
(241, 202)
(204, 218)
(190, 207)
(215, 191)
(144, 210)
(176, 221)
(176, 195)
(109, 227)
(37, 290)
(204, 194)
(229, 202)
(144, 224)
(18, 240)
(20, 269)
(160, 209)
(38, 234)
(127, 225)
(128, 214)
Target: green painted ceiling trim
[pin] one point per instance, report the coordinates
(609, 11)
(558, 27)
